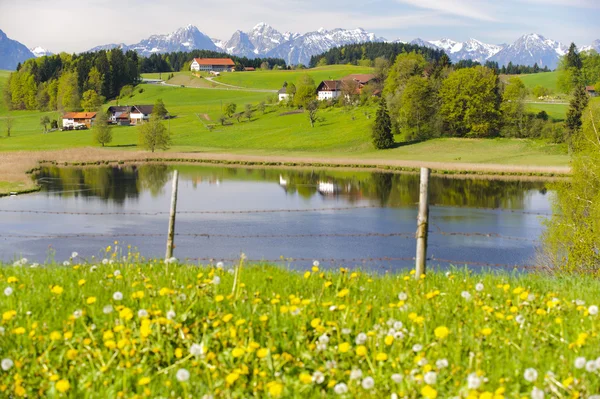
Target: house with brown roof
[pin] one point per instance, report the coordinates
(329, 89)
(591, 91)
(361, 80)
(213, 64)
(76, 119)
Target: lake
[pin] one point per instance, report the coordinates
(349, 218)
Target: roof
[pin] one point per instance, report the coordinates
(330, 85)
(590, 88)
(215, 61)
(283, 90)
(249, 69)
(118, 108)
(143, 109)
(79, 115)
(362, 78)
(124, 115)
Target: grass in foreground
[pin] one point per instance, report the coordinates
(148, 329)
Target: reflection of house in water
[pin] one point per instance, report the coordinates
(329, 188)
(282, 181)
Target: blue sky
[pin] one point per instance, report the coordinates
(68, 25)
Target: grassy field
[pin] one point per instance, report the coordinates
(132, 329)
(274, 79)
(557, 112)
(544, 79)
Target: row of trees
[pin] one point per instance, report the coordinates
(578, 69)
(71, 82)
(509, 69)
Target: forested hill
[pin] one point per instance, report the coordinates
(178, 61)
(353, 53)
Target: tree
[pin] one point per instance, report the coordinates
(154, 135)
(306, 91)
(573, 58)
(223, 119)
(262, 107)
(350, 91)
(513, 108)
(230, 109)
(290, 89)
(68, 98)
(9, 122)
(91, 101)
(159, 109)
(248, 112)
(382, 129)
(265, 66)
(312, 107)
(471, 102)
(102, 130)
(418, 106)
(576, 107)
(45, 121)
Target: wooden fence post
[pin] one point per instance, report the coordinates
(422, 224)
(171, 234)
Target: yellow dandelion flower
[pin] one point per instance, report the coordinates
(144, 381)
(381, 357)
(441, 332)
(63, 386)
(12, 279)
(57, 290)
(232, 378)
(237, 352)
(428, 392)
(91, 300)
(307, 275)
(315, 323)
(344, 347)
(68, 335)
(361, 351)
(8, 315)
(81, 282)
(178, 353)
(19, 390)
(262, 353)
(305, 378)
(55, 335)
(486, 331)
(275, 389)
(343, 293)
(327, 284)
(389, 340)
(227, 318)
(19, 331)
(72, 354)
(219, 298)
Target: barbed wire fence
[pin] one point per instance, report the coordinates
(436, 231)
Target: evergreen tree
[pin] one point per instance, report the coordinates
(382, 129)
(102, 131)
(154, 134)
(573, 58)
(578, 104)
(159, 109)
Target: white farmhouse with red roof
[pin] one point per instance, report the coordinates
(212, 64)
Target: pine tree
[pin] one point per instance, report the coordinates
(102, 132)
(573, 58)
(578, 104)
(382, 129)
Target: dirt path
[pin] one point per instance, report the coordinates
(14, 165)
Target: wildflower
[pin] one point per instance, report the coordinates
(216, 280)
(171, 260)
(66, 263)
(105, 261)
(593, 310)
(343, 293)
(262, 353)
(591, 366)
(537, 393)
(479, 287)
(381, 357)
(441, 332)
(91, 300)
(316, 263)
(361, 351)
(8, 291)
(530, 375)
(473, 381)
(341, 389)
(520, 319)
(107, 309)
(171, 314)
(142, 313)
(417, 348)
(389, 340)
(441, 364)
(402, 296)
(74, 255)
(197, 350)
(144, 381)
(57, 290)
(318, 377)
(63, 386)
(466, 295)
(117, 296)
(346, 331)
(429, 392)
(430, 377)
(324, 339)
(182, 375)
(331, 364)
(356, 374)
(580, 362)
(275, 388)
(232, 378)
(486, 331)
(77, 314)
(361, 339)
(7, 364)
(344, 347)
(117, 273)
(368, 383)
(397, 378)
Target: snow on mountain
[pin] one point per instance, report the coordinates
(532, 49)
(12, 52)
(40, 51)
(265, 38)
(240, 45)
(444, 44)
(300, 49)
(420, 42)
(473, 50)
(594, 46)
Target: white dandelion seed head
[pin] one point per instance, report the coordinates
(107, 309)
(402, 296)
(473, 381)
(580, 362)
(398, 325)
(117, 296)
(332, 308)
(142, 313)
(316, 263)
(594, 397)
(171, 314)
(355, 374)
(105, 261)
(397, 378)
(230, 271)
(417, 348)
(598, 363)
(423, 362)
(111, 262)
(2, 330)
(8, 291)
(593, 310)
(331, 364)
(466, 295)
(531, 297)
(590, 366)
(361, 339)
(77, 314)
(537, 393)
(398, 335)
(340, 389)
(296, 312)
(93, 268)
(430, 377)
(197, 349)
(394, 395)
(441, 364)
(346, 331)
(216, 280)
(74, 255)
(520, 319)
(66, 263)
(579, 302)
(318, 377)
(324, 339)
(34, 265)
(530, 374)
(220, 265)
(28, 313)
(7, 364)
(182, 375)
(368, 383)
(117, 273)
(479, 287)
(182, 297)
(321, 347)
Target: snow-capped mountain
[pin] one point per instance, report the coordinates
(595, 46)
(12, 52)
(40, 51)
(472, 49)
(300, 49)
(107, 47)
(531, 49)
(240, 45)
(265, 38)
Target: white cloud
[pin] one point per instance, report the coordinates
(465, 8)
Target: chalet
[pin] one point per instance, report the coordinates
(140, 113)
(76, 119)
(213, 64)
(329, 89)
(591, 91)
(115, 112)
(361, 80)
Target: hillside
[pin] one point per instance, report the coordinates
(544, 79)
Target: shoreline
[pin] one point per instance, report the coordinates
(16, 167)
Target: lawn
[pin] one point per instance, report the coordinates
(143, 329)
(274, 79)
(557, 112)
(544, 79)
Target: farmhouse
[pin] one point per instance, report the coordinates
(140, 113)
(129, 114)
(329, 89)
(591, 91)
(361, 80)
(116, 111)
(76, 119)
(213, 64)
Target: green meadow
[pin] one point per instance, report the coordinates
(544, 79)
